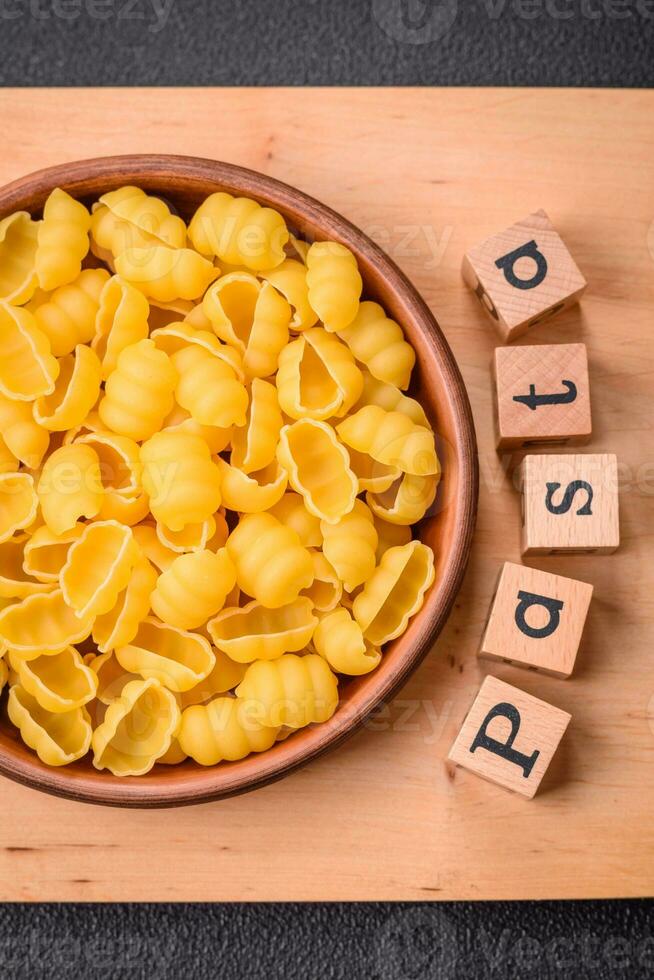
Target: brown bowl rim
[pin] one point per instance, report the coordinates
(85, 177)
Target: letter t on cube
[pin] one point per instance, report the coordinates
(523, 275)
(542, 395)
(509, 737)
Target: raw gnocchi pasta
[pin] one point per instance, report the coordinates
(62, 240)
(209, 472)
(130, 218)
(68, 316)
(18, 244)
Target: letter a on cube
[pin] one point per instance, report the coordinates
(536, 620)
(523, 275)
(509, 737)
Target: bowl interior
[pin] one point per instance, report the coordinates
(184, 183)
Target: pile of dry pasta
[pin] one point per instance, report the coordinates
(209, 470)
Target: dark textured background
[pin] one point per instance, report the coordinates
(303, 942)
(326, 42)
(289, 42)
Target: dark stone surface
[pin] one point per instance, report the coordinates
(580, 941)
(326, 42)
(296, 42)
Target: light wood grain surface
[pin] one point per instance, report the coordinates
(428, 173)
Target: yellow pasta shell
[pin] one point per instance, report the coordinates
(193, 588)
(70, 487)
(326, 590)
(391, 438)
(406, 501)
(390, 535)
(271, 564)
(210, 375)
(334, 284)
(222, 731)
(224, 677)
(18, 503)
(124, 506)
(22, 435)
(391, 399)
(318, 468)
(107, 228)
(370, 473)
(98, 568)
(300, 247)
(75, 393)
(119, 626)
(153, 547)
(58, 683)
(139, 393)
(192, 537)
(120, 460)
(239, 231)
(339, 639)
(42, 624)
(394, 592)
(15, 581)
(111, 676)
(129, 218)
(177, 336)
(68, 316)
(251, 316)
(251, 493)
(8, 462)
(180, 420)
(124, 500)
(350, 546)
(45, 553)
(57, 738)
(208, 388)
(18, 242)
(378, 342)
(180, 478)
(176, 658)
(317, 377)
(63, 240)
(256, 633)
(198, 319)
(166, 274)
(292, 691)
(27, 368)
(291, 511)
(174, 756)
(121, 320)
(163, 314)
(90, 426)
(4, 674)
(254, 444)
(290, 279)
(137, 730)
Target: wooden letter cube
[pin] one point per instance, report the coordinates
(536, 620)
(523, 275)
(509, 737)
(542, 395)
(569, 504)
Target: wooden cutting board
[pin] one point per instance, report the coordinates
(428, 173)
